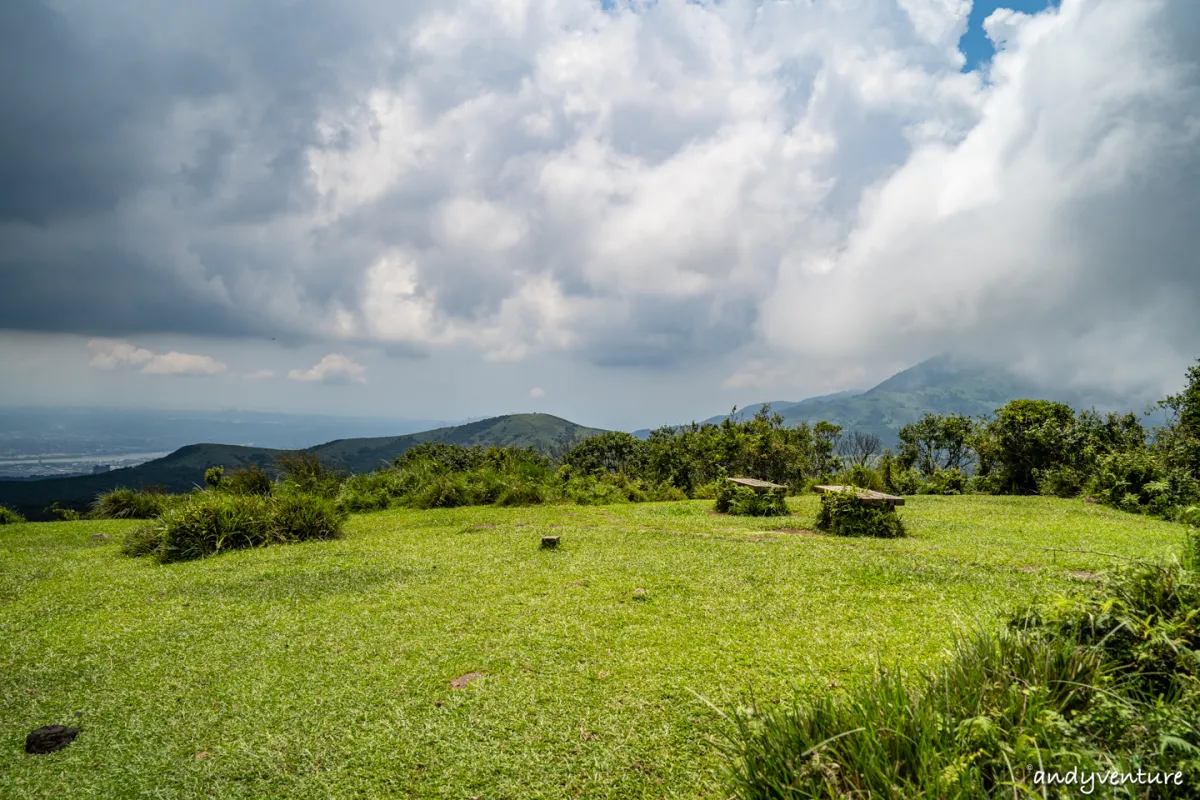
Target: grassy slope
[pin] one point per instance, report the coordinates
(184, 468)
(323, 670)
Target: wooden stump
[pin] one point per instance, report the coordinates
(549, 542)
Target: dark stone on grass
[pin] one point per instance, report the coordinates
(49, 738)
(99, 537)
(549, 542)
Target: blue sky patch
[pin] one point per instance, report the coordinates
(975, 44)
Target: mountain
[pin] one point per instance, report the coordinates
(940, 385)
(779, 406)
(184, 468)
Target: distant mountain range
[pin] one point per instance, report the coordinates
(185, 467)
(941, 385)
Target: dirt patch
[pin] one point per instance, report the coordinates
(798, 531)
(580, 582)
(714, 513)
(463, 680)
(1083, 575)
(1091, 500)
(1026, 568)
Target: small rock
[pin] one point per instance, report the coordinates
(99, 537)
(202, 755)
(639, 592)
(463, 680)
(549, 542)
(49, 738)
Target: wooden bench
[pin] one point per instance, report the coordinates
(756, 484)
(865, 496)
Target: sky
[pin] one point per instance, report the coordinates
(626, 213)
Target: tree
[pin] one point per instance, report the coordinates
(858, 447)
(936, 442)
(613, 451)
(825, 441)
(1025, 439)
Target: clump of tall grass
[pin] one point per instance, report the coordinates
(9, 516)
(305, 472)
(744, 501)
(123, 503)
(1107, 682)
(843, 514)
(208, 522)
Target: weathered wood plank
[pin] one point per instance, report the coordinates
(868, 496)
(755, 484)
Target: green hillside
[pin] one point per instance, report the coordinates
(941, 385)
(184, 468)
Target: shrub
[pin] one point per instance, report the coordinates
(1103, 683)
(744, 501)
(213, 476)
(209, 522)
(357, 501)
(297, 517)
(944, 482)
(144, 540)
(859, 475)
(1122, 480)
(843, 514)
(1061, 481)
(128, 504)
(9, 517)
(251, 480)
(903, 481)
(62, 513)
(305, 472)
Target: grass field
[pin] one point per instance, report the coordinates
(324, 669)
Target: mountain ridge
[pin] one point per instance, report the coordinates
(184, 468)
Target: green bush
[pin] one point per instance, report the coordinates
(1106, 682)
(944, 482)
(129, 504)
(208, 522)
(740, 500)
(305, 472)
(66, 514)
(213, 476)
(902, 481)
(9, 517)
(843, 514)
(859, 475)
(144, 540)
(298, 517)
(1061, 481)
(251, 480)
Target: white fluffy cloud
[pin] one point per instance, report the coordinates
(537, 392)
(334, 368)
(661, 181)
(113, 353)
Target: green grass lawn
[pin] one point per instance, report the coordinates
(324, 669)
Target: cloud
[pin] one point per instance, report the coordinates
(537, 392)
(334, 368)
(632, 184)
(182, 364)
(113, 353)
